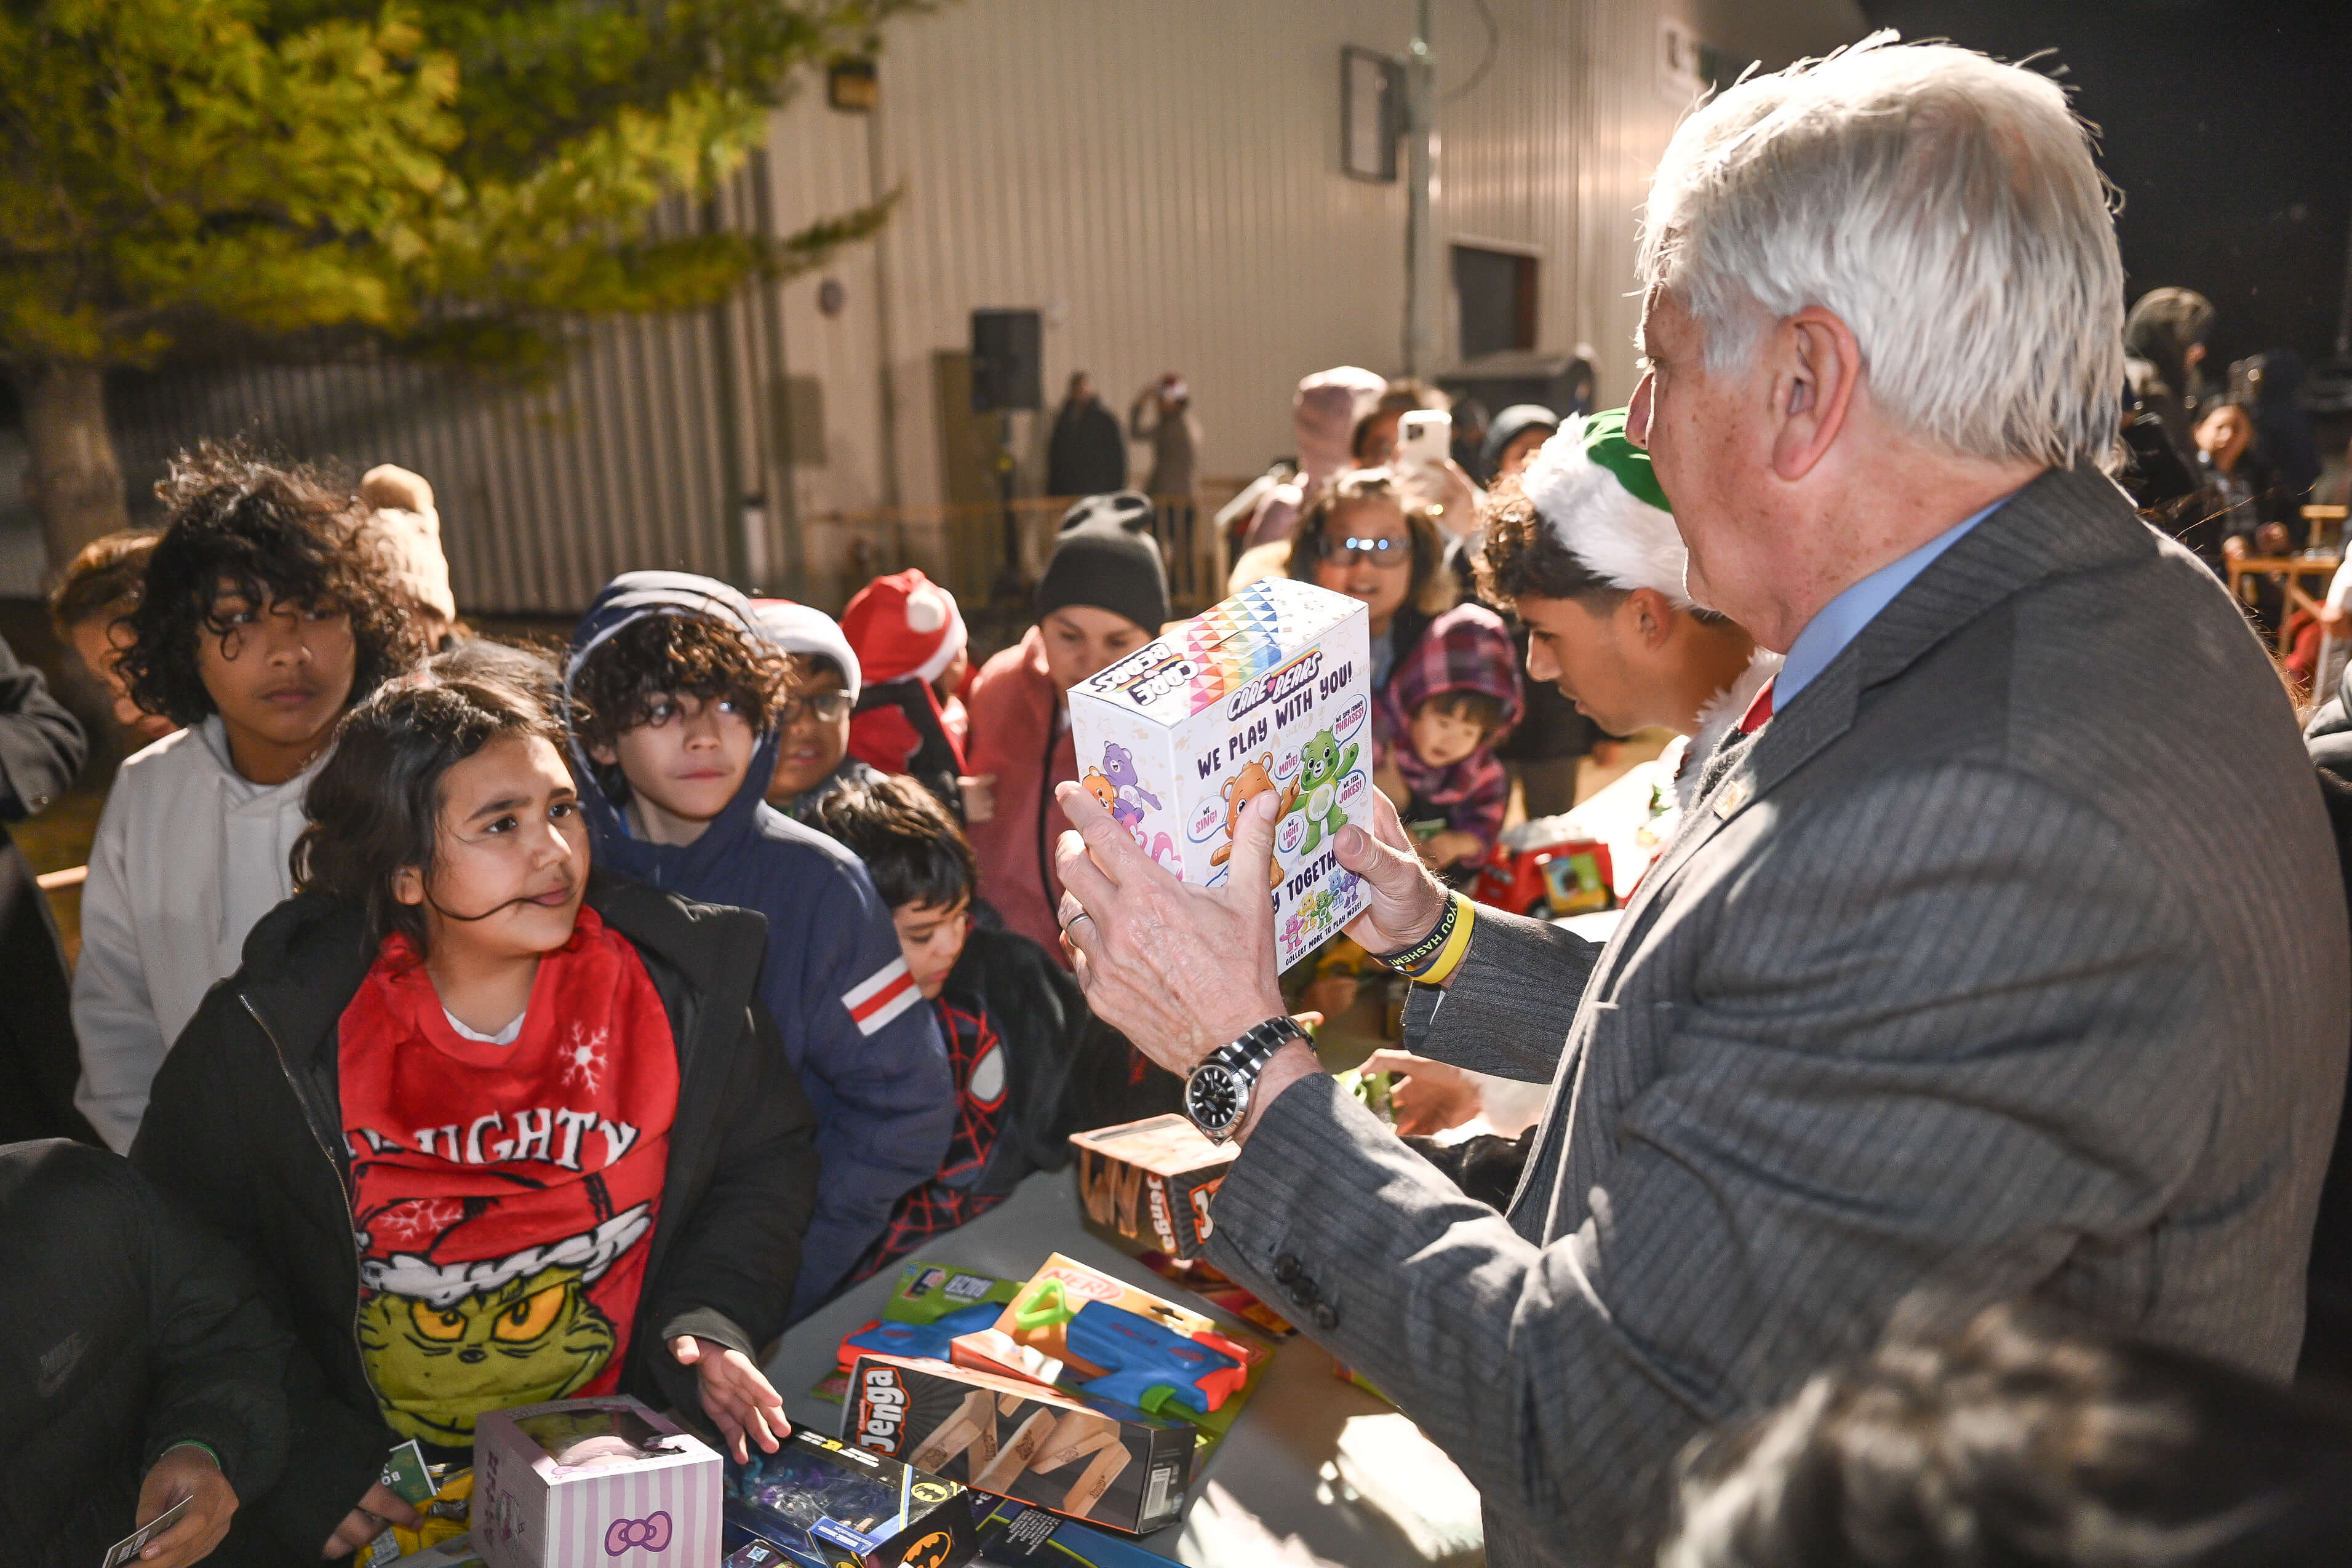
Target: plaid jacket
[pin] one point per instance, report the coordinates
(1466, 649)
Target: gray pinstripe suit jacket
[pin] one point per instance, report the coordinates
(2010, 957)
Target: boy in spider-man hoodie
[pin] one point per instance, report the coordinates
(671, 696)
(1031, 1063)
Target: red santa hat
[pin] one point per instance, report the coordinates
(904, 624)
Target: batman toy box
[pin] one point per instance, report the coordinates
(814, 1503)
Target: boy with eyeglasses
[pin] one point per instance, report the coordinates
(813, 759)
(676, 701)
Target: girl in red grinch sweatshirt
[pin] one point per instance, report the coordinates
(553, 1116)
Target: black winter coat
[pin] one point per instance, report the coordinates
(41, 751)
(245, 1126)
(130, 1329)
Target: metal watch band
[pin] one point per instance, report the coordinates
(1257, 1047)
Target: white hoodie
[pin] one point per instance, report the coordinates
(189, 855)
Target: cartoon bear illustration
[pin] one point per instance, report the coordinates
(1118, 766)
(1123, 810)
(1256, 779)
(1321, 766)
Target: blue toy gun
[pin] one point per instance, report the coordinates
(1147, 1364)
(916, 1341)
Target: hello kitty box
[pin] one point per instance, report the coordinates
(1270, 691)
(582, 1481)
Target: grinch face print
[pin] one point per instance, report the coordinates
(446, 1341)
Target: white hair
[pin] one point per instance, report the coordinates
(1943, 205)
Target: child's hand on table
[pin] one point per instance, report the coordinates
(1444, 849)
(382, 1506)
(1427, 1096)
(735, 1395)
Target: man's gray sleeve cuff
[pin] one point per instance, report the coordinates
(1511, 1002)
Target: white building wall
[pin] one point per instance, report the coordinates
(1164, 183)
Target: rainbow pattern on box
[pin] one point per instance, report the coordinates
(1269, 692)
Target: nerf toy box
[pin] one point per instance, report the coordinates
(1077, 1326)
(1269, 692)
(1151, 1181)
(823, 1505)
(1092, 1459)
(1013, 1534)
(589, 1481)
(929, 1306)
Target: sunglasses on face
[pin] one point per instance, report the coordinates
(1380, 552)
(828, 707)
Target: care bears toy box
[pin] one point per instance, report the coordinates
(1269, 692)
(592, 1480)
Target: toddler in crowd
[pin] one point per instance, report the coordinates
(264, 614)
(911, 647)
(1458, 689)
(1103, 595)
(90, 609)
(553, 1110)
(1016, 1029)
(812, 756)
(673, 697)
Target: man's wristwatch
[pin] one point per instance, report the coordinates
(1217, 1091)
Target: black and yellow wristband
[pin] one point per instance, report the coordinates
(1439, 954)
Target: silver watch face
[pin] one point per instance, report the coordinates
(1215, 1096)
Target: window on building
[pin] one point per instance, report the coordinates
(1497, 293)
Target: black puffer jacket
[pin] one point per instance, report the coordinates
(130, 1329)
(245, 1126)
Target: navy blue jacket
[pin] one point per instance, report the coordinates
(854, 1027)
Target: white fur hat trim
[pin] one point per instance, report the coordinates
(1626, 541)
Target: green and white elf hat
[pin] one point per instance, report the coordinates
(1595, 491)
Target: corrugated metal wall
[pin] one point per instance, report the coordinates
(1162, 181)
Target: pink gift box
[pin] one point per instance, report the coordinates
(592, 1484)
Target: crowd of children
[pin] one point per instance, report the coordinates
(536, 1025)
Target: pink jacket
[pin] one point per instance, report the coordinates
(1020, 734)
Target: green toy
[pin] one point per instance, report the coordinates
(1321, 766)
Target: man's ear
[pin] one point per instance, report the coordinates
(603, 756)
(408, 886)
(1650, 618)
(1817, 365)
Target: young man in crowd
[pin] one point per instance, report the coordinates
(90, 610)
(1017, 1031)
(1104, 595)
(813, 721)
(149, 1365)
(1582, 549)
(672, 695)
(264, 615)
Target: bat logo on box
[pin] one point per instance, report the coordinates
(930, 1552)
(881, 1410)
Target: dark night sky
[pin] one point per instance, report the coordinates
(2228, 123)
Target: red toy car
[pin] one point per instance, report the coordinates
(1548, 880)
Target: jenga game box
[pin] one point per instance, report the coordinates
(1091, 1459)
(1151, 1181)
(1268, 693)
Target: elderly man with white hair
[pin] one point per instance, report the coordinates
(2004, 956)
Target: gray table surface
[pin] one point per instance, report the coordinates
(1271, 1494)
